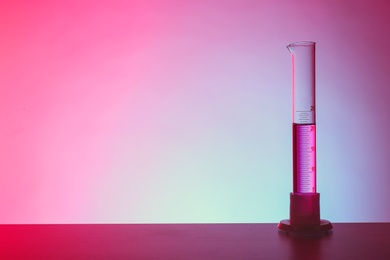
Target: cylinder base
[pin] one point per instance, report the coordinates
(305, 216)
(324, 228)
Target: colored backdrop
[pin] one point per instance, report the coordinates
(180, 111)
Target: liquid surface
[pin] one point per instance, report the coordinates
(304, 158)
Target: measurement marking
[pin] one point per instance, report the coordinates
(304, 154)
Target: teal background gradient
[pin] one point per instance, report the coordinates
(180, 111)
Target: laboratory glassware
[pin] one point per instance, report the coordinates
(304, 200)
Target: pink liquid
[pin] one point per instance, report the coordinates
(304, 158)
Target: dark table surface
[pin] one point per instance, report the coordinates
(190, 241)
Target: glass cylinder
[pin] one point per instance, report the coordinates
(304, 200)
(304, 118)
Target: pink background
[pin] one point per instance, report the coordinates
(180, 111)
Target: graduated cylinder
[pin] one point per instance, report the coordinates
(304, 117)
(304, 200)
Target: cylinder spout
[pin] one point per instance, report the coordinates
(293, 45)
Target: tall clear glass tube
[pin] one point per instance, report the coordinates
(304, 200)
(304, 118)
